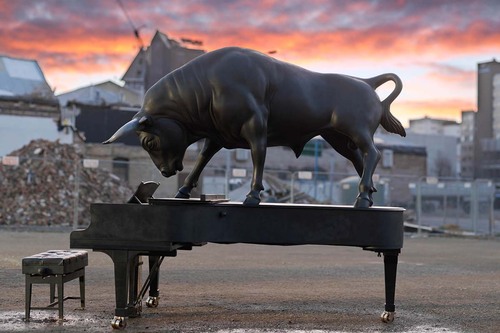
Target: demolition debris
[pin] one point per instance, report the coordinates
(47, 184)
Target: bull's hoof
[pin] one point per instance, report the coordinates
(183, 194)
(363, 203)
(251, 201)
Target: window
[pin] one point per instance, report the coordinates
(242, 154)
(387, 158)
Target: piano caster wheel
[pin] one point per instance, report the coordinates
(152, 302)
(119, 323)
(387, 317)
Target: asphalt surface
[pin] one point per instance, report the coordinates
(444, 285)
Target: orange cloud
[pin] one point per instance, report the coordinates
(443, 109)
(74, 40)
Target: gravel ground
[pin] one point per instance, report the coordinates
(444, 285)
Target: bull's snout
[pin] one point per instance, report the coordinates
(167, 173)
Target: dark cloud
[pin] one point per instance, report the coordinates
(386, 22)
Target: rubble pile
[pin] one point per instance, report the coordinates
(48, 182)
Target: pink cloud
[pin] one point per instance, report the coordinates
(94, 36)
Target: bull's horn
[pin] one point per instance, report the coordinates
(128, 128)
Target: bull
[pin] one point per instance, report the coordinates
(240, 98)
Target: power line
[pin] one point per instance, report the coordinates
(136, 30)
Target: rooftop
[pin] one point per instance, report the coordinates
(22, 77)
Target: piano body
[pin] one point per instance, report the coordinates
(160, 227)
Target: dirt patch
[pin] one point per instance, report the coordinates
(444, 285)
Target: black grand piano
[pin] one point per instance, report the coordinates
(158, 228)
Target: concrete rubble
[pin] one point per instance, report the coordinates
(50, 178)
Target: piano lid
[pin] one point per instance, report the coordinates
(163, 222)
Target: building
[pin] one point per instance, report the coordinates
(441, 138)
(161, 57)
(428, 125)
(467, 144)
(443, 158)
(105, 93)
(487, 123)
(23, 78)
(28, 107)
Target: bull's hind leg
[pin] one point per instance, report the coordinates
(209, 150)
(345, 147)
(371, 156)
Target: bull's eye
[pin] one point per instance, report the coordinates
(151, 143)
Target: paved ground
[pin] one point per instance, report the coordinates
(444, 285)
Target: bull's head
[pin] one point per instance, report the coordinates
(164, 139)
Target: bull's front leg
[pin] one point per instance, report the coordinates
(257, 138)
(207, 152)
(258, 159)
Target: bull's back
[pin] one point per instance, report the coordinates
(301, 103)
(309, 102)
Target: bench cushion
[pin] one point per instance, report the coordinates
(55, 262)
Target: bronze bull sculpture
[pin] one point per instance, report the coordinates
(240, 98)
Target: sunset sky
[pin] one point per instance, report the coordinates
(433, 45)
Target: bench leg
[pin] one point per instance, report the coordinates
(60, 296)
(82, 290)
(28, 299)
(52, 293)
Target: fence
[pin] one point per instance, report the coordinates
(306, 186)
(455, 204)
(445, 204)
(38, 190)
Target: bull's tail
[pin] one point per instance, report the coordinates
(388, 121)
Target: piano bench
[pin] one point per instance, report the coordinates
(54, 267)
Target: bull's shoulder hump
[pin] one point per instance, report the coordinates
(228, 52)
(238, 57)
(233, 62)
(242, 55)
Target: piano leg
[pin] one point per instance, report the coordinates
(390, 269)
(134, 284)
(127, 276)
(154, 292)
